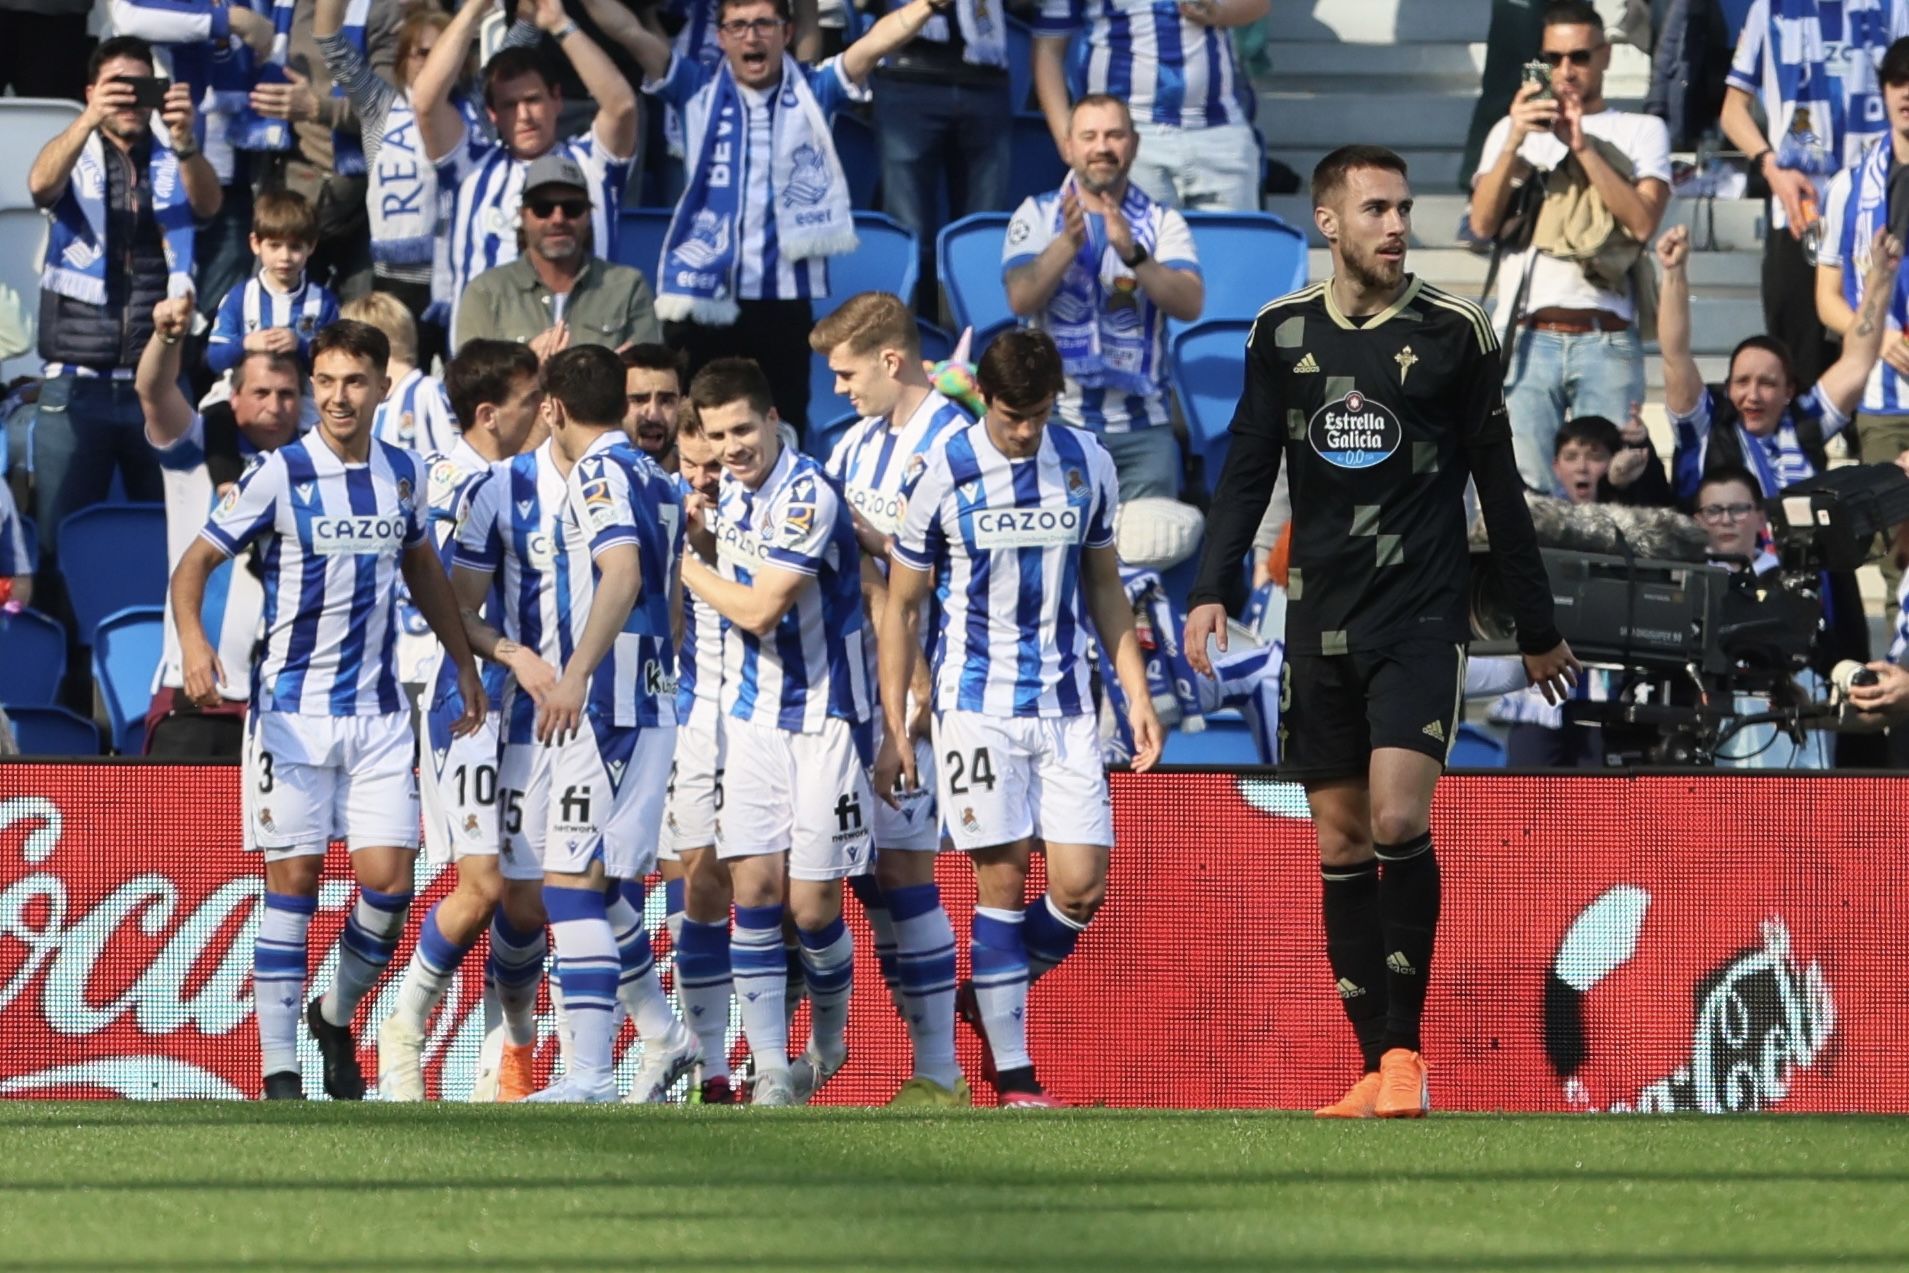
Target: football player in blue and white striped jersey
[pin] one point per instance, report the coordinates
(795, 692)
(1011, 527)
(874, 348)
(340, 516)
(523, 99)
(498, 392)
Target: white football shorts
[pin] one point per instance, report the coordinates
(807, 795)
(596, 795)
(695, 797)
(1004, 778)
(457, 785)
(313, 779)
(916, 826)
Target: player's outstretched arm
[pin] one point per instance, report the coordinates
(1112, 613)
(472, 587)
(755, 607)
(431, 594)
(898, 644)
(619, 581)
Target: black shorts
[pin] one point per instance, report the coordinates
(1335, 709)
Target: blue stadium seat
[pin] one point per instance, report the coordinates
(1208, 373)
(639, 238)
(888, 260)
(861, 156)
(936, 344)
(824, 402)
(822, 439)
(53, 731)
(127, 648)
(1227, 240)
(1035, 167)
(1475, 748)
(35, 660)
(1226, 740)
(113, 556)
(968, 263)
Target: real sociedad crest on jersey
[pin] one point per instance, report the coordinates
(1354, 432)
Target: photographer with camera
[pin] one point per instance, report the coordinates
(1573, 190)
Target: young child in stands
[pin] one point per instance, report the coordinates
(278, 310)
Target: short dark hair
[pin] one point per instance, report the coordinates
(518, 60)
(1020, 368)
(588, 381)
(1099, 99)
(360, 340)
(486, 371)
(1895, 63)
(1594, 430)
(1771, 345)
(1331, 172)
(650, 356)
(119, 46)
(285, 215)
(272, 361)
(727, 380)
(1725, 472)
(1571, 13)
(781, 7)
(689, 419)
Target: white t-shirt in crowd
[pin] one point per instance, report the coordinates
(234, 597)
(1561, 284)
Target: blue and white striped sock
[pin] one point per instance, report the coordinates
(428, 973)
(279, 959)
(1050, 937)
(371, 935)
(703, 983)
(881, 923)
(925, 964)
(761, 974)
(587, 969)
(999, 958)
(673, 909)
(515, 966)
(828, 966)
(638, 985)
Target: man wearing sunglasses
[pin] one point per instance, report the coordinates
(1576, 350)
(558, 292)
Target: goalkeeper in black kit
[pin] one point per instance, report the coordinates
(1384, 394)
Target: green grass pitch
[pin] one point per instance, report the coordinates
(190, 1186)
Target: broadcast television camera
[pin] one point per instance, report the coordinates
(1687, 635)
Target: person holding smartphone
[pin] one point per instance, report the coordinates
(120, 164)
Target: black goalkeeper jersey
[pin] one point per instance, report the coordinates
(1381, 421)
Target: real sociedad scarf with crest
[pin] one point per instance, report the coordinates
(702, 254)
(75, 263)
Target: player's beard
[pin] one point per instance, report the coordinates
(1370, 272)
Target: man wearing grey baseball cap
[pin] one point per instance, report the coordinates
(558, 292)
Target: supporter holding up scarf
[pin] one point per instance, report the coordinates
(766, 202)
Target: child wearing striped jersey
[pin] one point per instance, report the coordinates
(795, 692)
(874, 349)
(278, 310)
(329, 741)
(1011, 527)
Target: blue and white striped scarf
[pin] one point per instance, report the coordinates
(75, 263)
(702, 255)
(1100, 317)
(250, 130)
